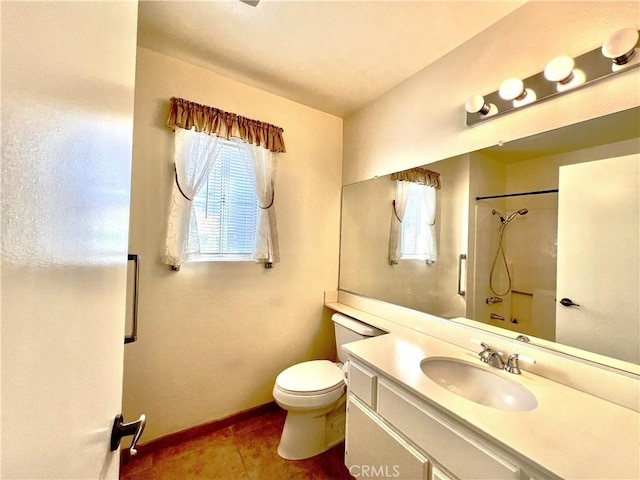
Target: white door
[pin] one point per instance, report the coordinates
(68, 73)
(599, 257)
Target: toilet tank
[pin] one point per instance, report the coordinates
(348, 330)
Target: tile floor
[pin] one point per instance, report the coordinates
(244, 451)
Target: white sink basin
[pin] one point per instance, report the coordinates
(478, 384)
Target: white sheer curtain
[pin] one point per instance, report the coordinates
(429, 223)
(195, 154)
(397, 215)
(419, 241)
(264, 162)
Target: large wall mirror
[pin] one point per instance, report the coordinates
(520, 227)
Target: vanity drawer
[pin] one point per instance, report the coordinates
(362, 383)
(463, 456)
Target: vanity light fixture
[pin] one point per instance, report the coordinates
(619, 54)
(513, 89)
(477, 104)
(561, 70)
(620, 47)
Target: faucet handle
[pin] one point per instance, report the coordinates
(487, 352)
(513, 363)
(489, 355)
(486, 349)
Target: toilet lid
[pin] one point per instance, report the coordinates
(309, 377)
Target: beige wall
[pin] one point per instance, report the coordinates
(423, 119)
(213, 337)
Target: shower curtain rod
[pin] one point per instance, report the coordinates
(539, 192)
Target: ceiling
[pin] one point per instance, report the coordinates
(335, 56)
(616, 127)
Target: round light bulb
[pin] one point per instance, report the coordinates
(476, 104)
(511, 89)
(560, 69)
(527, 97)
(620, 45)
(577, 78)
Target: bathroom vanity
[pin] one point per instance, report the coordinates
(398, 434)
(403, 424)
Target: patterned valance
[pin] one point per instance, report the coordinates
(418, 175)
(188, 115)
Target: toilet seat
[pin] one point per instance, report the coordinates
(316, 377)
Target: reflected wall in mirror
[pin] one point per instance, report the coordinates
(525, 270)
(367, 210)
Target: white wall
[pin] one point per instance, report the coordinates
(487, 176)
(423, 119)
(213, 336)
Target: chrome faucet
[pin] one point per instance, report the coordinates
(512, 365)
(491, 357)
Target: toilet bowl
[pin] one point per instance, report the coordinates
(310, 391)
(313, 393)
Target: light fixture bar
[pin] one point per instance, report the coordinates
(588, 68)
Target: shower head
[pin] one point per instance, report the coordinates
(522, 211)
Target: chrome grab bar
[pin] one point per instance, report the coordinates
(136, 281)
(461, 290)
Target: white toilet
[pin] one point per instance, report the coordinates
(313, 393)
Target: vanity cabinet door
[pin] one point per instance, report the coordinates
(466, 456)
(437, 474)
(374, 451)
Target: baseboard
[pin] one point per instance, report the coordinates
(193, 432)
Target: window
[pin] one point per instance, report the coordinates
(417, 240)
(231, 215)
(226, 207)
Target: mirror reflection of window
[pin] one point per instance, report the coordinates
(418, 235)
(412, 234)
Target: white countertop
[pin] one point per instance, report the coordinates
(570, 433)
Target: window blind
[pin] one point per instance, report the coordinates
(226, 207)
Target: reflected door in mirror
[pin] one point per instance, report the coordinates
(599, 257)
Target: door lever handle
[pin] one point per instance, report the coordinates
(567, 302)
(121, 429)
